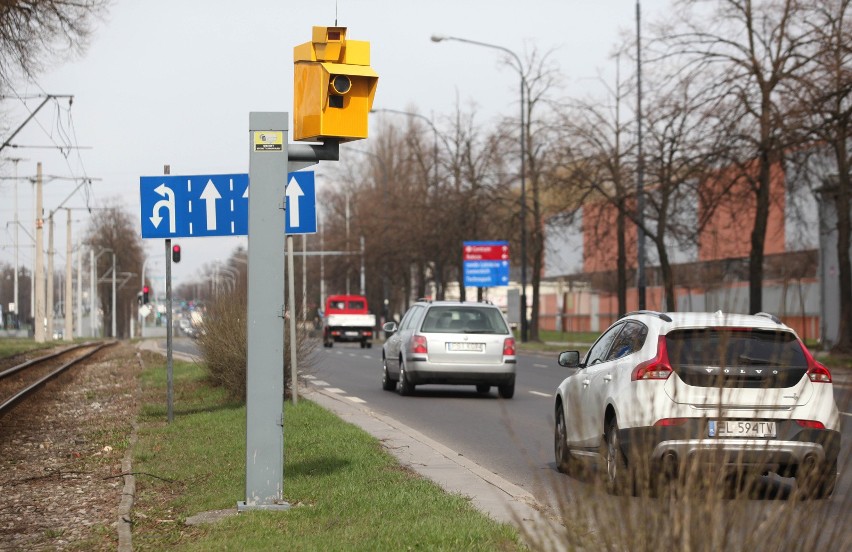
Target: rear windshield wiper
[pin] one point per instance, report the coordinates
(752, 360)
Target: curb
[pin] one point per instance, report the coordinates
(128, 493)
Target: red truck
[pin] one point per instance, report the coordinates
(347, 318)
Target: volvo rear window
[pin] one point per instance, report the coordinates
(736, 357)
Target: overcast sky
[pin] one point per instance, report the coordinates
(173, 82)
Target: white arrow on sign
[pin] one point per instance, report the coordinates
(210, 195)
(294, 192)
(168, 203)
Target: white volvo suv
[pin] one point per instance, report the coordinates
(660, 393)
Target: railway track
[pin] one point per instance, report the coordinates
(20, 381)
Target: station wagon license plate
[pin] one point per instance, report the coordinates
(476, 347)
(741, 428)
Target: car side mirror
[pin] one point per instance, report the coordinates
(389, 327)
(569, 359)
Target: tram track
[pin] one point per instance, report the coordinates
(20, 381)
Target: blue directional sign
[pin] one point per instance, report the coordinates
(194, 206)
(301, 203)
(486, 264)
(217, 205)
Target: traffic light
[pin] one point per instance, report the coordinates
(334, 86)
(145, 291)
(175, 253)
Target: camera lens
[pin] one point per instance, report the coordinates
(341, 84)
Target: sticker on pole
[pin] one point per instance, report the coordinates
(268, 140)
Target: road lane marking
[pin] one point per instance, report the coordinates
(335, 390)
(847, 414)
(320, 383)
(540, 394)
(540, 365)
(306, 376)
(356, 400)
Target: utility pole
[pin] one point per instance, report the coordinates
(49, 309)
(38, 316)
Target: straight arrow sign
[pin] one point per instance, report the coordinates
(301, 203)
(293, 193)
(210, 195)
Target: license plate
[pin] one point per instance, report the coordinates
(741, 428)
(477, 347)
(352, 334)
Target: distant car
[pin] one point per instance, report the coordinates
(662, 393)
(449, 342)
(186, 328)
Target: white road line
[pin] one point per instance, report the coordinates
(356, 400)
(540, 394)
(368, 356)
(846, 414)
(335, 390)
(321, 383)
(540, 365)
(306, 376)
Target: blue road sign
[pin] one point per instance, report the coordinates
(301, 203)
(486, 263)
(194, 206)
(217, 205)
(486, 273)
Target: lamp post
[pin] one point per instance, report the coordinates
(520, 69)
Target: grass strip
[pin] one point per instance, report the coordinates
(346, 491)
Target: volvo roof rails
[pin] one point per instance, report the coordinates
(661, 315)
(770, 316)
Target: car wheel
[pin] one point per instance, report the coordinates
(482, 388)
(616, 463)
(507, 390)
(363, 345)
(560, 442)
(817, 483)
(405, 387)
(388, 384)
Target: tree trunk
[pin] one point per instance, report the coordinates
(844, 341)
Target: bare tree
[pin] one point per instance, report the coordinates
(34, 31)
(115, 229)
(823, 98)
(748, 50)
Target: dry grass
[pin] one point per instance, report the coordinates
(223, 344)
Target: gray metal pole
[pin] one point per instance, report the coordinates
(112, 307)
(92, 324)
(79, 289)
(268, 168)
(170, 380)
(38, 316)
(50, 278)
(291, 287)
(68, 333)
(640, 173)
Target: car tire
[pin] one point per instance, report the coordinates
(388, 384)
(616, 475)
(507, 390)
(483, 388)
(819, 483)
(404, 386)
(363, 345)
(560, 442)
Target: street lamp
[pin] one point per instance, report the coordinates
(520, 69)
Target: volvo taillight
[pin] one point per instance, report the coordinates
(817, 373)
(418, 345)
(811, 424)
(658, 368)
(509, 346)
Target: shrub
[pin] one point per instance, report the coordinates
(223, 341)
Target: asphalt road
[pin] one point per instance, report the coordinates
(514, 439)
